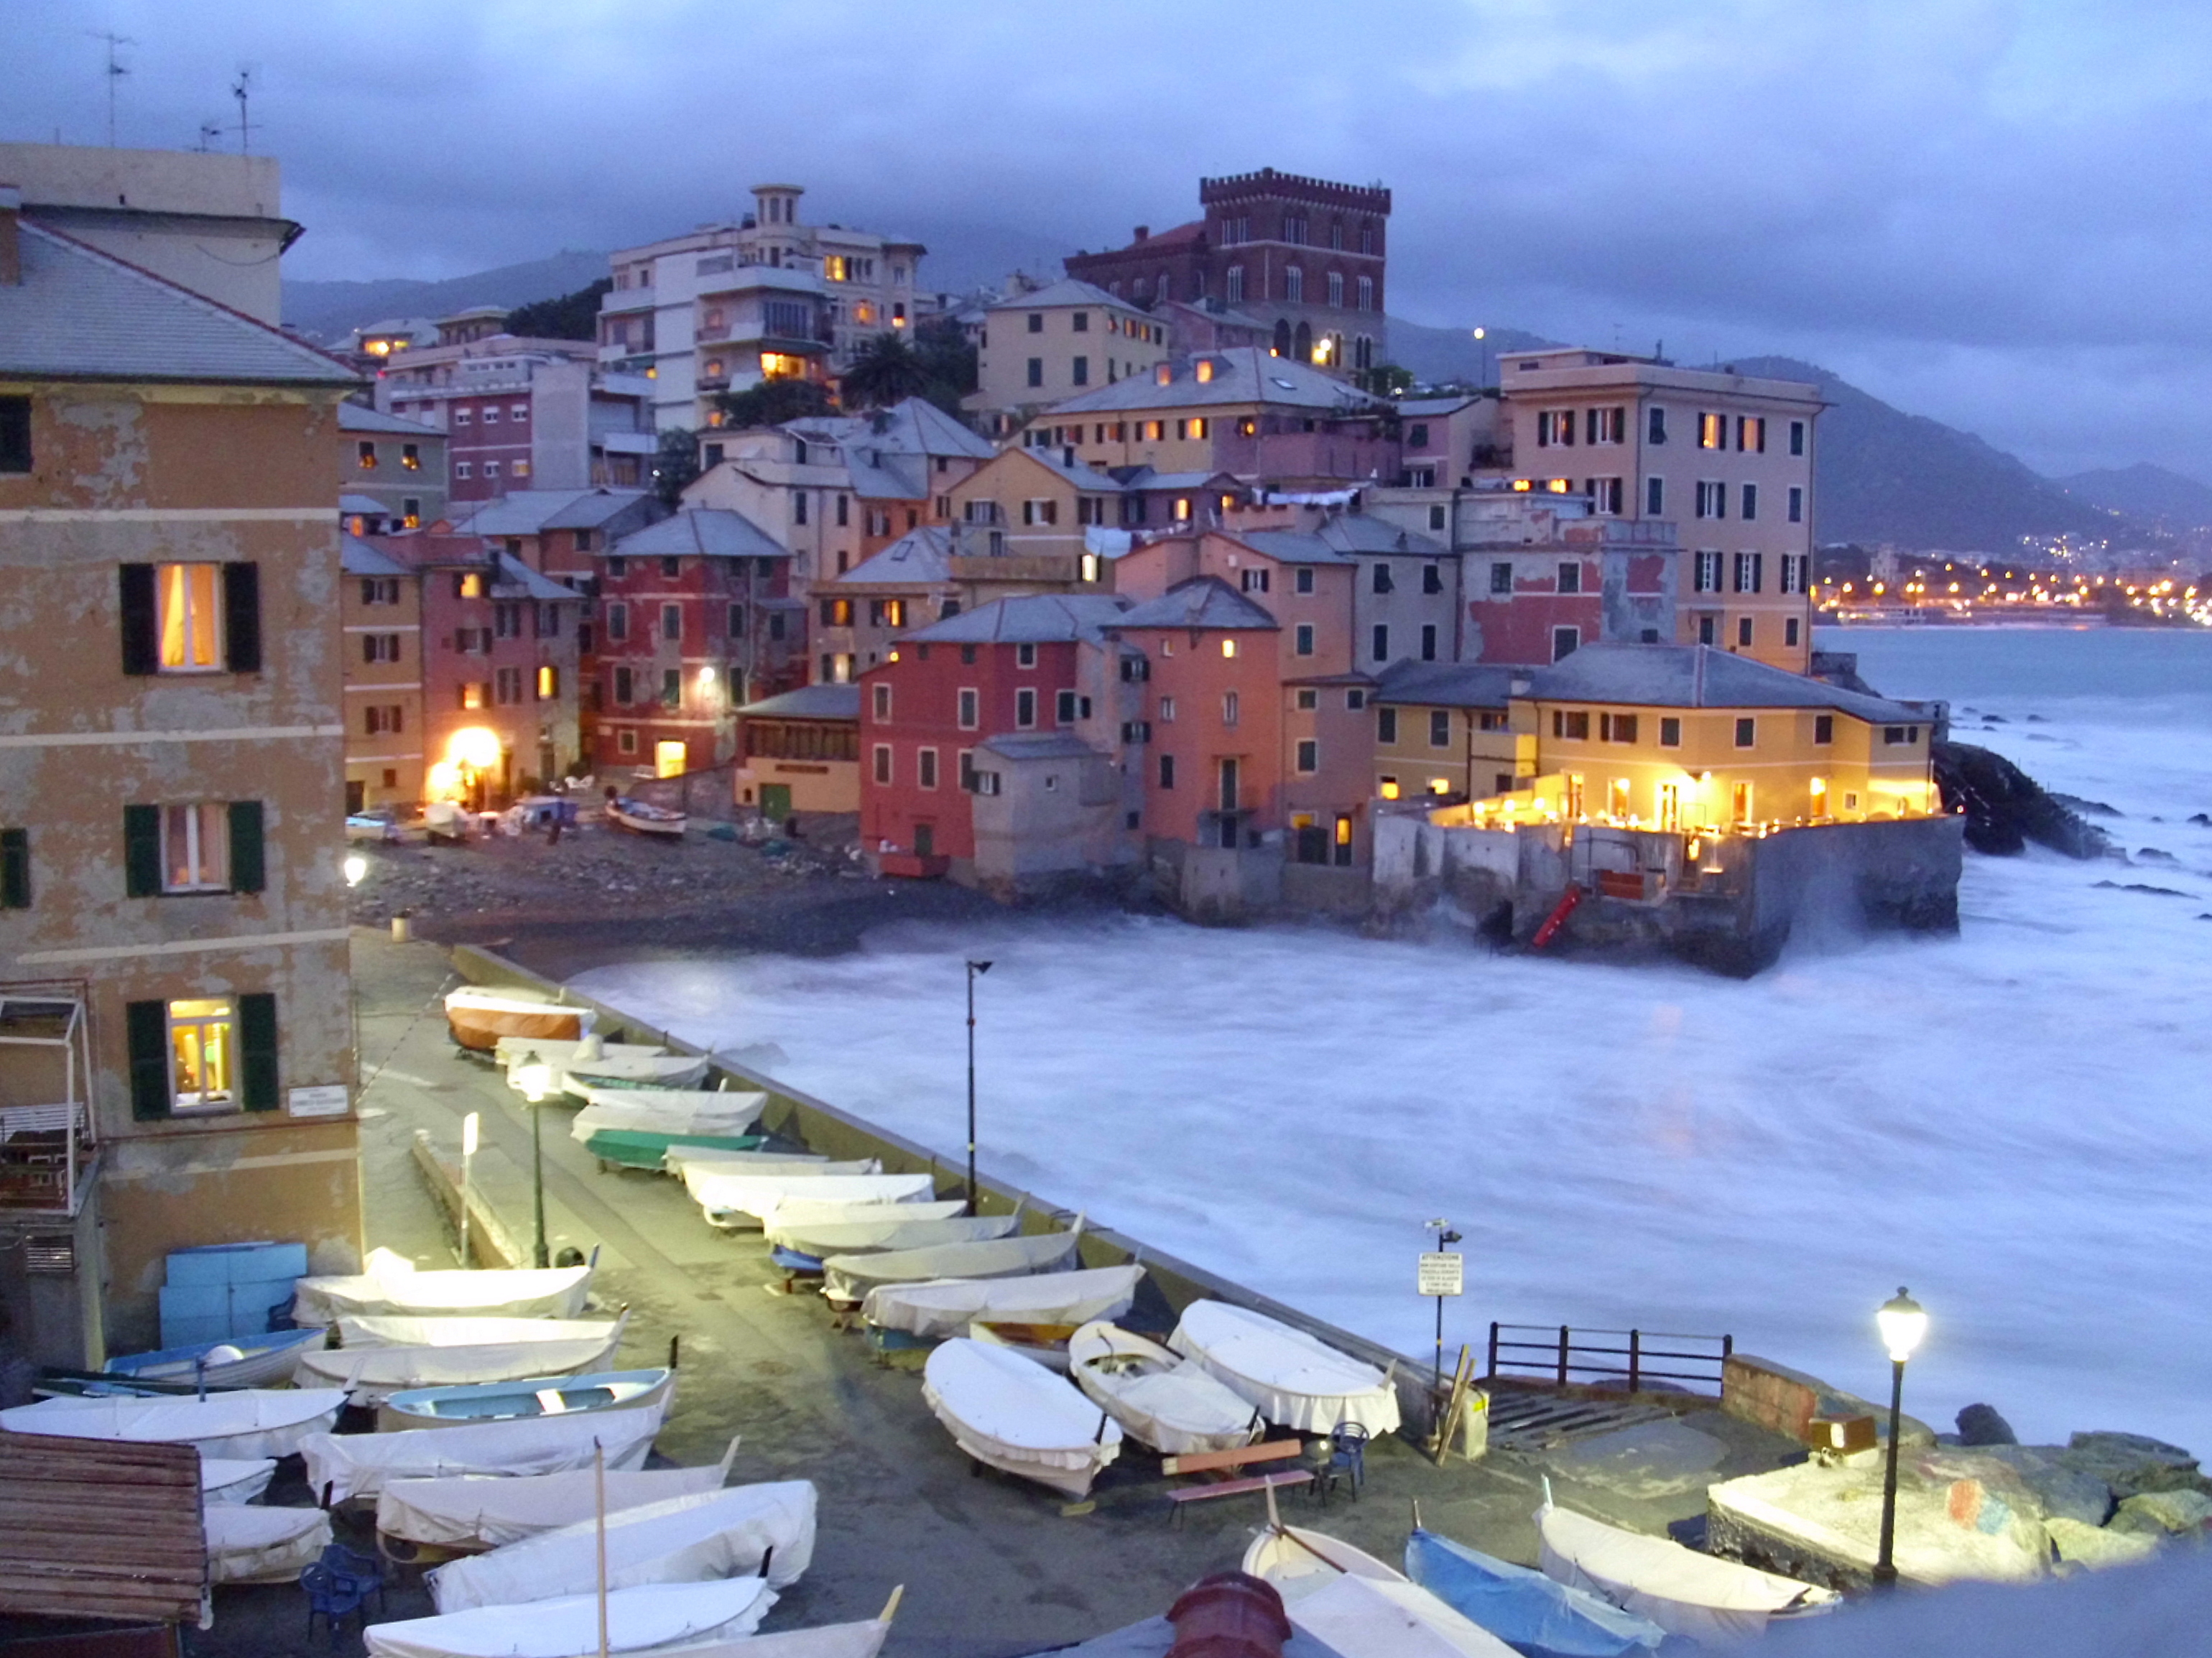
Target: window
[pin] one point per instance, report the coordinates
(1565, 641)
(1025, 656)
(1025, 708)
(1303, 582)
(491, 469)
(195, 848)
(15, 434)
(1079, 371)
(1255, 579)
(1381, 642)
(1605, 495)
(1707, 572)
(626, 742)
(1382, 579)
(1309, 756)
(1655, 497)
(1570, 576)
(506, 620)
(1705, 626)
(1654, 425)
(506, 686)
(671, 622)
(1387, 786)
(623, 687)
(1037, 371)
(462, 414)
(1501, 577)
(1167, 711)
(1355, 700)
(1336, 289)
(1167, 771)
(188, 621)
(1439, 728)
(1616, 727)
(1670, 731)
(1428, 641)
(1436, 516)
(1746, 732)
(14, 869)
(1605, 425)
(1294, 284)
(1793, 572)
(491, 413)
(1064, 709)
(617, 622)
(671, 688)
(1308, 699)
(1750, 572)
(1789, 635)
(1366, 292)
(202, 1054)
(1751, 434)
(1036, 322)
(1749, 495)
(365, 455)
(1796, 505)
(881, 698)
(1895, 735)
(1228, 647)
(379, 648)
(883, 762)
(925, 768)
(1743, 631)
(1555, 428)
(1386, 725)
(1712, 431)
(469, 584)
(1824, 728)
(1230, 708)
(1796, 437)
(1572, 725)
(1712, 501)
(519, 411)
(548, 681)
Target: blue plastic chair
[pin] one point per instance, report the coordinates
(339, 1585)
(1347, 1456)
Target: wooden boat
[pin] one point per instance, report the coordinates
(350, 1466)
(578, 1076)
(1361, 1607)
(373, 1373)
(247, 1423)
(1040, 1344)
(849, 1278)
(643, 818)
(394, 1283)
(1708, 1600)
(1162, 1399)
(1019, 1417)
(263, 1361)
(668, 1111)
(595, 1392)
(1529, 1612)
(630, 1148)
(467, 1513)
(479, 1015)
(737, 1531)
(1291, 1377)
(719, 1192)
(793, 1224)
(646, 1617)
(255, 1545)
(947, 1307)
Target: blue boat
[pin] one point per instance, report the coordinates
(1523, 1608)
(262, 1361)
(504, 1402)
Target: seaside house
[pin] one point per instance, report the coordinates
(1443, 732)
(801, 752)
(1048, 343)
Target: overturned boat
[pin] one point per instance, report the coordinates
(1018, 1416)
(850, 1277)
(481, 1350)
(1164, 1400)
(1292, 1378)
(468, 1512)
(824, 1229)
(723, 1193)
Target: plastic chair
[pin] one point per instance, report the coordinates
(339, 1584)
(1347, 1455)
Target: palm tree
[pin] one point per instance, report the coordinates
(887, 370)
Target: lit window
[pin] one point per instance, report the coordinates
(195, 851)
(1387, 788)
(368, 455)
(204, 1053)
(410, 457)
(190, 619)
(1228, 647)
(548, 682)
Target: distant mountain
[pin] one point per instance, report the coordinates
(329, 311)
(1436, 355)
(2146, 491)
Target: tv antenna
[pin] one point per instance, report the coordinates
(243, 89)
(116, 71)
(210, 134)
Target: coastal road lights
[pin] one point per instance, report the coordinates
(974, 970)
(534, 1077)
(1903, 1322)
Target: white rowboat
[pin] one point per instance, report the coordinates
(360, 1465)
(849, 1278)
(723, 1193)
(1708, 1600)
(254, 1544)
(677, 1070)
(595, 1393)
(394, 1284)
(1017, 1416)
(948, 1307)
(477, 1513)
(1291, 1377)
(371, 1374)
(512, 1051)
(656, 1618)
(666, 1111)
(234, 1478)
(1166, 1401)
(806, 1227)
(248, 1424)
(1361, 1607)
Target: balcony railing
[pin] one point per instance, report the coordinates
(47, 1145)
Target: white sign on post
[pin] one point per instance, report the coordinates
(1442, 1272)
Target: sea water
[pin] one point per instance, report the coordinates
(2012, 1122)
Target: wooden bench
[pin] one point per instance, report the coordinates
(1221, 1479)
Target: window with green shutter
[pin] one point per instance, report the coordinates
(241, 617)
(257, 1048)
(14, 869)
(141, 851)
(140, 625)
(147, 1024)
(246, 871)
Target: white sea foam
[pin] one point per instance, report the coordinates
(2012, 1122)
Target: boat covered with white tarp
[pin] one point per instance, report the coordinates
(850, 1277)
(478, 1513)
(249, 1422)
(684, 1539)
(740, 1160)
(825, 1640)
(372, 1374)
(1016, 1415)
(1291, 1377)
(1361, 1607)
(948, 1307)
(1700, 1596)
(666, 1111)
(412, 1330)
(511, 1051)
(641, 1071)
(249, 1544)
(360, 1465)
(825, 1229)
(653, 1617)
(1167, 1401)
(719, 1191)
(392, 1283)
(234, 1478)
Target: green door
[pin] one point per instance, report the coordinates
(775, 801)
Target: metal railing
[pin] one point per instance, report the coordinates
(1602, 1358)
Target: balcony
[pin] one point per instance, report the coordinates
(47, 1145)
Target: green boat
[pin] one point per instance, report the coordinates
(634, 1148)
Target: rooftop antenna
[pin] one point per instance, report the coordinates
(242, 89)
(116, 71)
(210, 132)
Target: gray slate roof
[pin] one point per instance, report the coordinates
(708, 532)
(920, 555)
(1447, 684)
(359, 417)
(81, 314)
(1039, 746)
(915, 427)
(528, 512)
(1699, 676)
(810, 702)
(513, 572)
(1201, 602)
(357, 557)
(1242, 374)
(1340, 539)
(1069, 290)
(1027, 619)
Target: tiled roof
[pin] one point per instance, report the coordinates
(527, 512)
(1243, 373)
(1699, 677)
(915, 427)
(359, 417)
(513, 572)
(1069, 290)
(708, 532)
(80, 314)
(1027, 619)
(1202, 602)
(919, 556)
(810, 702)
(1180, 236)
(357, 557)
(1447, 684)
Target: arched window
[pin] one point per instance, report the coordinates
(1302, 347)
(1282, 337)
(1294, 284)
(1166, 286)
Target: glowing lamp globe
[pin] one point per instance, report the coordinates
(1903, 1321)
(533, 1078)
(355, 867)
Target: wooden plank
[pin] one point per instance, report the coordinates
(1259, 1482)
(101, 1528)
(1206, 1461)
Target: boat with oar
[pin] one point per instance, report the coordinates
(1162, 1399)
(597, 1393)
(1357, 1604)
(479, 1015)
(1535, 1615)
(649, 1618)
(1019, 1417)
(262, 1361)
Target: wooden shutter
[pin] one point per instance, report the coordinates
(257, 1048)
(148, 1026)
(241, 617)
(141, 627)
(246, 871)
(14, 869)
(141, 851)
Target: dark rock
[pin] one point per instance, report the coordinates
(2091, 808)
(2063, 1491)
(1997, 719)
(2037, 720)
(2132, 1464)
(2006, 808)
(2156, 855)
(2138, 886)
(2200, 818)
(1980, 1424)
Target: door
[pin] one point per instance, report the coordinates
(1343, 841)
(1740, 803)
(357, 796)
(1229, 805)
(925, 840)
(668, 759)
(1670, 807)
(1573, 794)
(775, 801)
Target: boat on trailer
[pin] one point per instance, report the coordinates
(592, 1393)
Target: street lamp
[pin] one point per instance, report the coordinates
(469, 1127)
(534, 1078)
(1903, 1322)
(355, 867)
(975, 969)
(1482, 361)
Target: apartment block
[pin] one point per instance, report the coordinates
(394, 473)
(380, 617)
(1042, 346)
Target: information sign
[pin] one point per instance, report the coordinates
(1441, 1272)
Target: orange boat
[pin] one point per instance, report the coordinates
(480, 1017)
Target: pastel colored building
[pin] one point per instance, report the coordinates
(398, 464)
(380, 618)
(1444, 731)
(801, 752)
(1046, 344)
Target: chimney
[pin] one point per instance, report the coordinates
(1143, 231)
(11, 247)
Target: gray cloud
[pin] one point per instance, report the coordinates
(1983, 210)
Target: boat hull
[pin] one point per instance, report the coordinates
(478, 1020)
(473, 1405)
(269, 1361)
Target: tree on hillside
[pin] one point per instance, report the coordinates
(571, 317)
(676, 466)
(1386, 380)
(772, 402)
(885, 371)
(949, 357)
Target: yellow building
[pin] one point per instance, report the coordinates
(1445, 729)
(1689, 738)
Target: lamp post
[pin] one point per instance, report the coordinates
(468, 1127)
(1903, 1322)
(535, 1078)
(1482, 362)
(975, 969)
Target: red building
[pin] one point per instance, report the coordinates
(1590, 580)
(695, 620)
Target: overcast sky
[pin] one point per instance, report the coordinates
(1991, 213)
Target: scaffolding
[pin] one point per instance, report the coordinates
(47, 1144)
